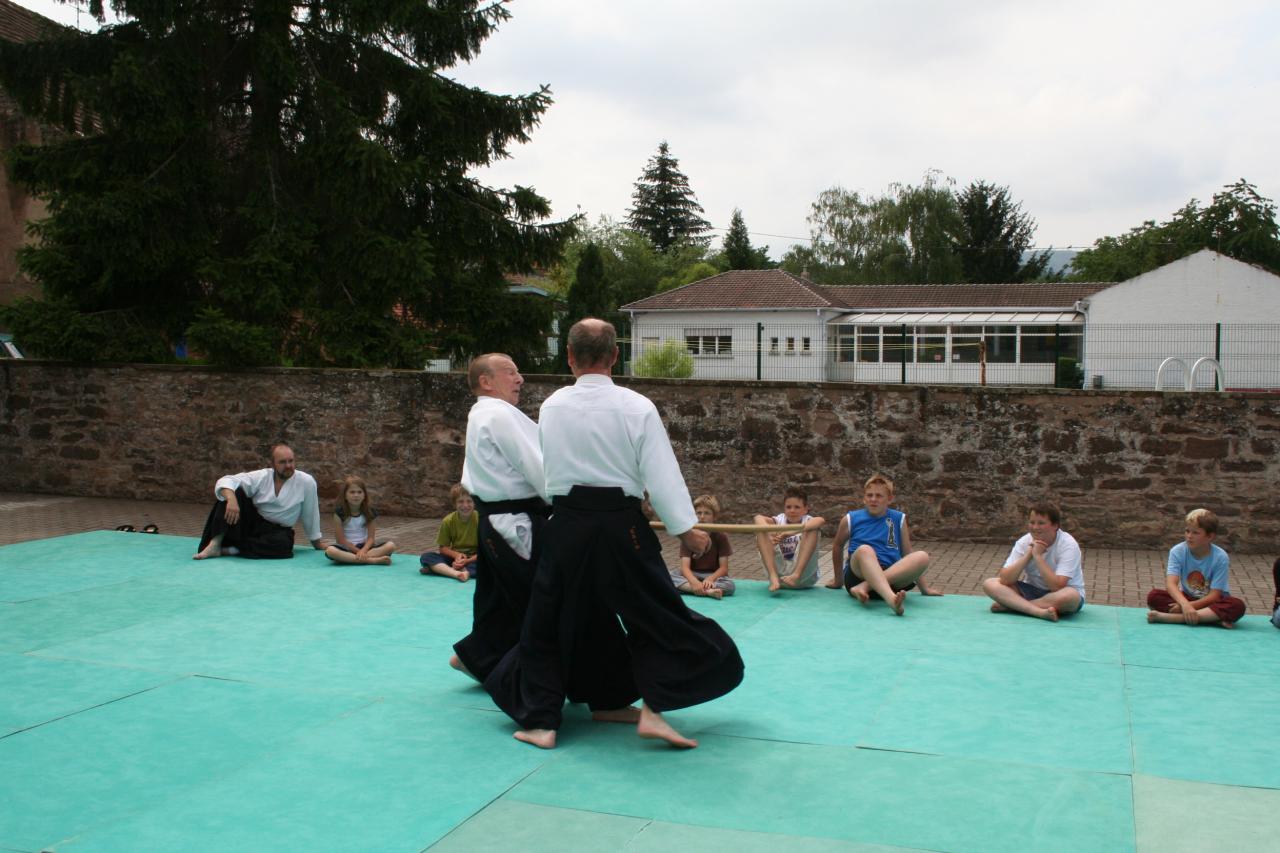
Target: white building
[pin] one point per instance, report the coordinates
(769, 324)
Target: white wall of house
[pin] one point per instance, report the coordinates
(1135, 325)
(794, 345)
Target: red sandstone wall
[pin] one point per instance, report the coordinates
(1125, 466)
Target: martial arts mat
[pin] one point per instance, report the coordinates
(151, 702)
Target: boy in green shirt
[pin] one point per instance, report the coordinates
(457, 541)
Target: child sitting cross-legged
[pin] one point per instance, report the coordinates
(1196, 588)
(707, 574)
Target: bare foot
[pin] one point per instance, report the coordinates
(926, 589)
(859, 593)
(997, 607)
(1226, 624)
(653, 726)
(629, 714)
(456, 663)
(462, 576)
(541, 738)
(1152, 617)
(1050, 613)
(774, 586)
(898, 598)
(382, 561)
(208, 553)
(833, 584)
(716, 593)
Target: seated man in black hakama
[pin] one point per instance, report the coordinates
(255, 511)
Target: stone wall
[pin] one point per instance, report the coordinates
(1125, 466)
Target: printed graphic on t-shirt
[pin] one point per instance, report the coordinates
(788, 546)
(891, 540)
(1196, 584)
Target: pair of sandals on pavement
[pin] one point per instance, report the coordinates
(129, 528)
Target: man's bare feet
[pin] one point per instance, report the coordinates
(860, 593)
(629, 714)
(653, 726)
(1050, 613)
(209, 553)
(456, 663)
(899, 598)
(541, 738)
(997, 607)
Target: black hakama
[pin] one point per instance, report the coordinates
(252, 534)
(605, 625)
(504, 580)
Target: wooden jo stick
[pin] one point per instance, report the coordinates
(739, 528)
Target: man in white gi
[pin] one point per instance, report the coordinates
(503, 473)
(603, 446)
(255, 511)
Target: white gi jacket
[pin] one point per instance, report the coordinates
(596, 433)
(503, 463)
(297, 499)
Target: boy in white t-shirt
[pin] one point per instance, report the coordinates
(1043, 575)
(796, 554)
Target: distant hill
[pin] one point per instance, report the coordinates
(1059, 259)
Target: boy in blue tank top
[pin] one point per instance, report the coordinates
(879, 559)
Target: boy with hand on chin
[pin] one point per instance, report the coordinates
(879, 560)
(1050, 560)
(1196, 588)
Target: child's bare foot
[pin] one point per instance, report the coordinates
(926, 589)
(1225, 624)
(629, 714)
(653, 726)
(462, 576)
(774, 586)
(1152, 617)
(898, 598)
(997, 607)
(715, 592)
(833, 584)
(1050, 613)
(381, 561)
(541, 738)
(859, 593)
(456, 663)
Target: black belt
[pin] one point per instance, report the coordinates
(534, 506)
(608, 498)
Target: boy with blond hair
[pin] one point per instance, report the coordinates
(879, 560)
(1049, 559)
(1196, 588)
(796, 554)
(708, 573)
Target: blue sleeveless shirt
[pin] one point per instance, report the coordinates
(883, 533)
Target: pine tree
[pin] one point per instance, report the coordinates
(664, 208)
(738, 251)
(588, 296)
(993, 237)
(277, 181)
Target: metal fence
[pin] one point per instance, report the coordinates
(1122, 356)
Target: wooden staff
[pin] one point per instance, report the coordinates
(739, 528)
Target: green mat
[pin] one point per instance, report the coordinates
(151, 702)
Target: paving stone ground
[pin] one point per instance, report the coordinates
(1117, 576)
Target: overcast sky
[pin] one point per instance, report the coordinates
(1096, 115)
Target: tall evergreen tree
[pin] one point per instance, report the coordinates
(589, 296)
(993, 237)
(739, 254)
(664, 208)
(278, 181)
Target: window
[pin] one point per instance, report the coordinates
(964, 344)
(804, 346)
(1039, 345)
(869, 343)
(773, 346)
(708, 341)
(791, 346)
(931, 344)
(846, 344)
(1002, 344)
